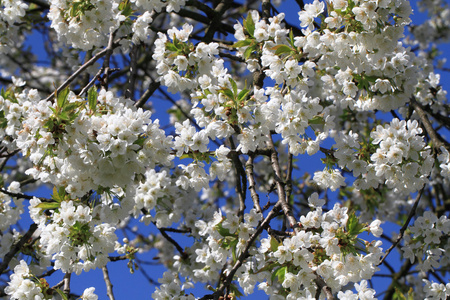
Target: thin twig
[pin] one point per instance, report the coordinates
(23, 196)
(78, 72)
(437, 142)
(241, 179)
(244, 254)
(322, 286)
(173, 242)
(280, 186)
(148, 93)
(252, 185)
(109, 285)
(16, 248)
(106, 61)
(91, 83)
(129, 93)
(405, 226)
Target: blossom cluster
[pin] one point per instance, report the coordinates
(76, 239)
(326, 246)
(359, 66)
(85, 24)
(11, 12)
(436, 28)
(22, 286)
(84, 147)
(10, 208)
(397, 156)
(428, 242)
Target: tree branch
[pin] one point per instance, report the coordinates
(81, 69)
(280, 186)
(244, 253)
(405, 226)
(109, 285)
(252, 185)
(66, 280)
(16, 248)
(437, 142)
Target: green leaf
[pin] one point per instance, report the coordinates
(62, 97)
(71, 107)
(92, 98)
(353, 226)
(249, 25)
(223, 231)
(56, 195)
(64, 116)
(3, 123)
(398, 295)
(48, 205)
(171, 47)
(140, 141)
(227, 92)
(243, 43)
(280, 49)
(291, 38)
(371, 78)
(53, 109)
(248, 52)
(49, 124)
(61, 293)
(125, 8)
(177, 43)
(280, 273)
(234, 86)
(274, 244)
(316, 120)
(243, 94)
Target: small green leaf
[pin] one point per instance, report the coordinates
(274, 244)
(371, 78)
(243, 94)
(71, 107)
(248, 52)
(316, 120)
(177, 43)
(398, 295)
(291, 38)
(140, 141)
(243, 43)
(61, 293)
(92, 98)
(353, 226)
(3, 123)
(235, 290)
(125, 8)
(48, 205)
(280, 273)
(171, 47)
(227, 92)
(62, 97)
(280, 49)
(250, 25)
(234, 86)
(223, 231)
(64, 116)
(185, 155)
(56, 195)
